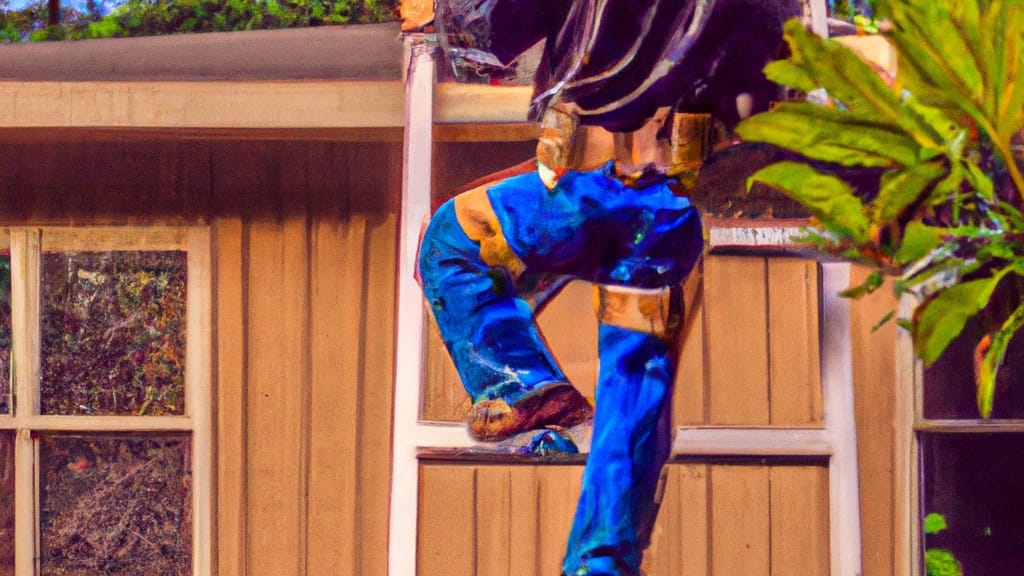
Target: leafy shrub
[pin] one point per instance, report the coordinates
(943, 216)
(157, 17)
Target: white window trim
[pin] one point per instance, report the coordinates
(26, 246)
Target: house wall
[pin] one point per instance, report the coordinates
(303, 242)
(304, 231)
(750, 357)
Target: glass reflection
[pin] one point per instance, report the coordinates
(115, 505)
(113, 333)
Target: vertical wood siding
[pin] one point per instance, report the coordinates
(304, 236)
(303, 243)
(749, 353)
(310, 291)
(750, 356)
(494, 520)
(874, 370)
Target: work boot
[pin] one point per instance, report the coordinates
(555, 404)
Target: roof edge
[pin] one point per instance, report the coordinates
(349, 52)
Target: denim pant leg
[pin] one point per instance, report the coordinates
(488, 329)
(632, 432)
(630, 445)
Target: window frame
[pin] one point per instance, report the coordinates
(27, 244)
(908, 459)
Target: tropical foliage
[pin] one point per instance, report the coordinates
(155, 17)
(916, 175)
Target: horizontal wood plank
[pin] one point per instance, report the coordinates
(109, 238)
(486, 132)
(472, 103)
(220, 104)
(51, 423)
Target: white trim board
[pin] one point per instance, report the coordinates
(411, 320)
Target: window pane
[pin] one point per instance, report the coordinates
(113, 333)
(973, 480)
(115, 505)
(6, 503)
(949, 389)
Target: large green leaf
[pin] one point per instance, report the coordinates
(988, 368)
(936, 65)
(1005, 24)
(918, 241)
(965, 55)
(941, 318)
(844, 75)
(901, 188)
(787, 73)
(828, 198)
(933, 129)
(931, 41)
(832, 135)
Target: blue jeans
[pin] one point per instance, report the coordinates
(591, 227)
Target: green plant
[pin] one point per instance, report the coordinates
(916, 175)
(155, 17)
(938, 561)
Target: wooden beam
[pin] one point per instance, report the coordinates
(467, 103)
(198, 390)
(25, 299)
(494, 132)
(906, 477)
(103, 239)
(25, 527)
(216, 104)
(92, 135)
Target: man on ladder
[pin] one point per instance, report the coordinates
(627, 227)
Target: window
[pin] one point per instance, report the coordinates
(970, 468)
(105, 401)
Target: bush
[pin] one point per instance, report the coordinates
(944, 217)
(157, 17)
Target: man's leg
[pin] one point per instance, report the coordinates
(631, 438)
(637, 346)
(489, 330)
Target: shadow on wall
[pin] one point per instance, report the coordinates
(124, 177)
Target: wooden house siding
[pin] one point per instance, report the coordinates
(304, 229)
(750, 519)
(303, 245)
(750, 357)
(749, 354)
